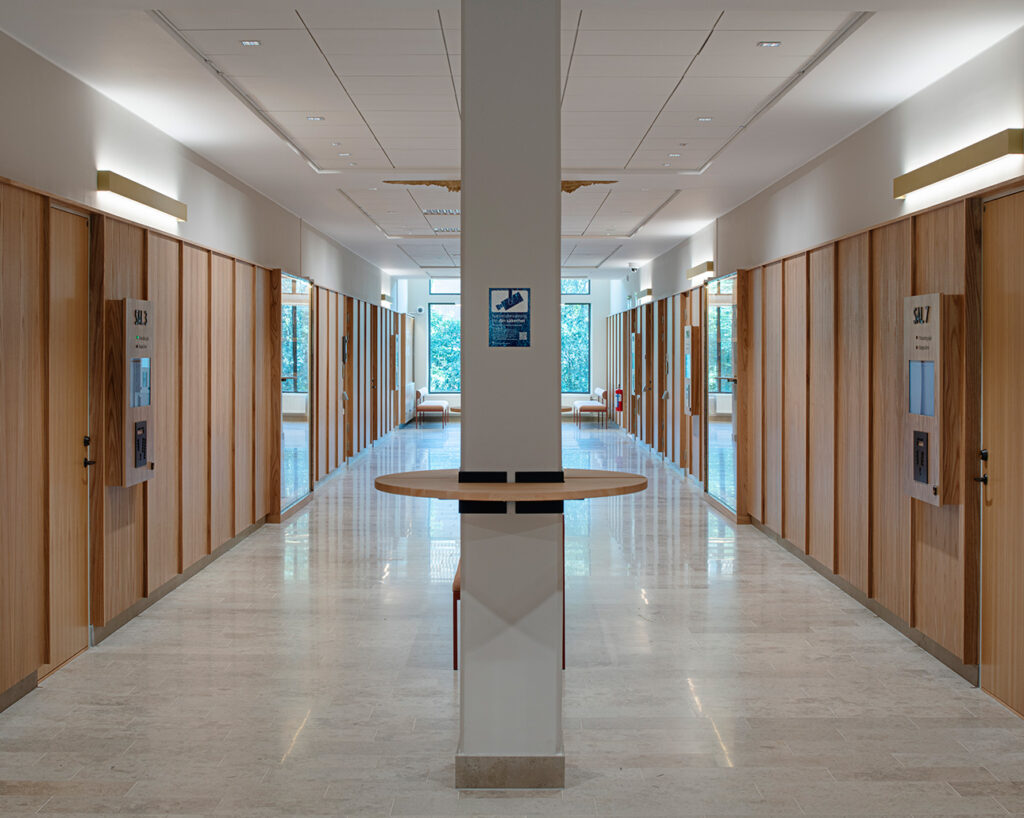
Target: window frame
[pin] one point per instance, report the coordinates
(430, 344)
(590, 345)
(563, 292)
(432, 291)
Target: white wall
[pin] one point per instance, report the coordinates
(849, 188)
(57, 132)
(666, 275)
(417, 295)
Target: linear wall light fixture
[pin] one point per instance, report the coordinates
(122, 186)
(701, 269)
(385, 300)
(1004, 143)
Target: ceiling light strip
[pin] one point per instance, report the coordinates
(448, 57)
(343, 88)
(164, 22)
(1004, 143)
(675, 87)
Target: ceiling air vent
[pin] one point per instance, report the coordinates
(446, 229)
(442, 211)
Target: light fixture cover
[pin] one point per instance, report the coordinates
(130, 189)
(1004, 143)
(701, 269)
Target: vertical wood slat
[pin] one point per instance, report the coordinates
(221, 396)
(939, 553)
(755, 397)
(273, 368)
(821, 445)
(348, 367)
(266, 395)
(67, 423)
(891, 260)
(853, 434)
(123, 542)
(794, 518)
(244, 415)
(163, 489)
(195, 405)
(23, 468)
(333, 374)
(321, 392)
(773, 373)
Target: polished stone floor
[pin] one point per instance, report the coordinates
(307, 672)
(722, 462)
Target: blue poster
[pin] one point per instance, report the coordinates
(510, 317)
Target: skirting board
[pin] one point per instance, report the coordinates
(18, 691)
(509, 772)
(944, 655)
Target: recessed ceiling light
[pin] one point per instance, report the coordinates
(371, 188)
(769, 44)
(335, 144)
(352, 164)
(315, 118)
(344, 154)
(251, 42)
(704, 119)
(666, 164)
(674, 155)
(392, 212)
(442, 211)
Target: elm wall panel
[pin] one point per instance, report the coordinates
(23, 316)
(348, 386)
(821, 418)
(68, 423)
(244, 398)
(123, 517)
(272, 441)
(195, 405)
(794, 519)
(320, 391)
(773, 374)
(755, 410)
(265, 390)
(853, 433)
(938, 555)
(891, 261)
(333, 373)
(222, 403)
(163, 489)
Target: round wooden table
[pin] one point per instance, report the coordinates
(443, 484)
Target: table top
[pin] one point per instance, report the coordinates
(443, 484)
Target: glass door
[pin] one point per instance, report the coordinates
(296, 464)
(721, 390)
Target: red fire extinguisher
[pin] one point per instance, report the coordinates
(618, 399)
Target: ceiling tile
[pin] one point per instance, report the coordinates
(647, 43)
(321, 96)
(618, 102)
(629, 66)
(667, 146)
(209, 17)
(746, 65)
(395, 65)
(784, 20)
(413, 118)
(424, 158)
(373, 14)
(295, 122)
(215, 42)
(632, 18)
(453, 37)
(381, 42)
(793, 43)
(724, 86)
(448, 134)
(358, 86)
(299, 63)
(405, 103)
(620, 86)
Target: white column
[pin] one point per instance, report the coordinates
(512, 558)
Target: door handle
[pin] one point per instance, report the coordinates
(983, 479)
(86, 462)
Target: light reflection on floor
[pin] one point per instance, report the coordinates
(722, 462)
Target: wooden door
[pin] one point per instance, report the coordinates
(1002, 515)
(663, 365)
(347, 388)
(69, 426)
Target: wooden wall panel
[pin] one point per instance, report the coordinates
(244, 398)
(794, 517)
(333, 374)
(272, 439)
(68, 424)
(821, 406)
(773, 374)
(163, 489)
(891, 267)
(319, 365)
(853, 407)
(222, 400)
(124, 534)
(266, 394)
(23, 467)
(348, 379)
(755, 397)
(195, 405)
(940, 558)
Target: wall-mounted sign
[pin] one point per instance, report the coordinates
(509, 324)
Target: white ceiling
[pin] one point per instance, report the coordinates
(383, 76)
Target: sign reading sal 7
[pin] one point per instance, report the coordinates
(922, 314)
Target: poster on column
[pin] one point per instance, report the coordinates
(510, 317)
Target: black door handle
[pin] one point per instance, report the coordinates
(86, 462)
(982, 479)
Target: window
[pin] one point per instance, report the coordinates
(444, 344)
(445, 286)
(720, 331)
(575, 286)
(295, 347)
(576, 348)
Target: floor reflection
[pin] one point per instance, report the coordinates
(722, 462)
(295, 477)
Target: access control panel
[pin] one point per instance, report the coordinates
(129, 448)
(691, 357)
(931, 398)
